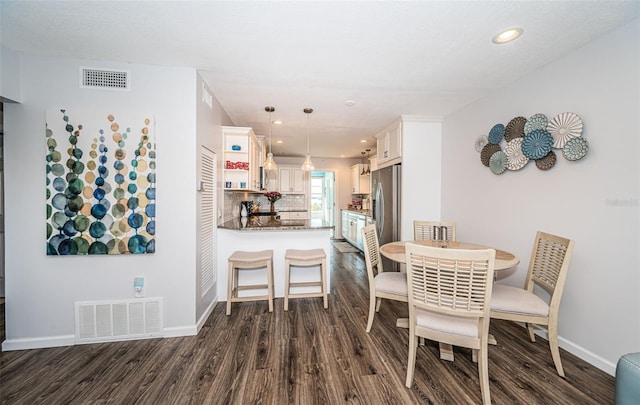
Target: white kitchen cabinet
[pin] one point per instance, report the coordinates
(242, 155)
(360, 184)
(292, 180)
(389, 145)
(352, 225)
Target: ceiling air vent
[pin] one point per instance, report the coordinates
(104, 79)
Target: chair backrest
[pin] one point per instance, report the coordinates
(549, 264)
(424, 230)
(450, 281)
(371, 251)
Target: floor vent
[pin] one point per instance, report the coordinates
(104, 321)
(104, 79)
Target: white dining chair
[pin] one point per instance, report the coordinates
(548, 269)
(449, 294)
(426, 230)
(390, 285)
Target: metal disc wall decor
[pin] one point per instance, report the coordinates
(522, 140)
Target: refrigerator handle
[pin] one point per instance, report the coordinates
(379, 210)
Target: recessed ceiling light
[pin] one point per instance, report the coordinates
(507, 35)
(363, 141)
(279, 142)
(277, 122)
(350, 103)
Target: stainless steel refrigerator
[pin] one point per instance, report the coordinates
(386, 191)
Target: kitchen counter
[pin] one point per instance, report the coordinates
(262, 233)
(366, 213)
(268, 223)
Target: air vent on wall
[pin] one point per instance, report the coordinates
(104, 79)
(104, 321)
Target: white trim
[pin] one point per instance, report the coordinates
(38, 343)
(205, 315)
(180, 331)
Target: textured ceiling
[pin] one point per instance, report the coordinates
(392, 57)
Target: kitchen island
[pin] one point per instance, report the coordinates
(265, 232)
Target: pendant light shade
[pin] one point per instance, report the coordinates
(308, 166)
(269, 164)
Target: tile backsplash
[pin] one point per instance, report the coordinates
(288, 202)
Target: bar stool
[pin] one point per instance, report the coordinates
(305, 258)
(240, 260)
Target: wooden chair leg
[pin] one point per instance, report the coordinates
(483, 372)
(411, 362)
(555, 349)
(532, 336)
(372, 309)
(378, 304)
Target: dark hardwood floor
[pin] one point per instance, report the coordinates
(307, 355)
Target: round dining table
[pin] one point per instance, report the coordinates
(396, 251)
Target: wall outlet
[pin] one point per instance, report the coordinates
(138, 287)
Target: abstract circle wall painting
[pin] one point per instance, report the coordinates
(522, 140)
(564, 127)
(98, 202)
(496, 135)
(536, 121)
(537, 143)
(575, 149)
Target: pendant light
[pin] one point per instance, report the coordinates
(364, 171)
(368, 163)
(269, 164)
(308, 166)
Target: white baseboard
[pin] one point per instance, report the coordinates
(580, 352)
(206, 314)
(38, 343)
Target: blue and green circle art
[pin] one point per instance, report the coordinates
(135, 220)
(59, 184)
(118, 210)
(150, 210)
(97, 230)
(98, 248)
(75, 204)
(151, 228)
(81, 223)
(137, 244)
(99, 194)
(132, 203)
(81, 245)
(98, 211)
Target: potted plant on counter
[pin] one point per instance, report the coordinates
(273, 196)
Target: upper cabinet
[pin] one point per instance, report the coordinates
(242, 159)
(389, 145)
(292, 180)
(360, 183)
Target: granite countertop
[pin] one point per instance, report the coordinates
(267, 223)
(363, 212)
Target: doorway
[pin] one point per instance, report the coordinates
(323, 199)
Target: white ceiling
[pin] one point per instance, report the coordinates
(391, 57)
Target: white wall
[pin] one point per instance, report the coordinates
(421, 172)
(9, 75)
(41, 289)
(593, 201)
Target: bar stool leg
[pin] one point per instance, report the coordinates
(270, 283)
(230, 277)
(323, 273)
(287, 279)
